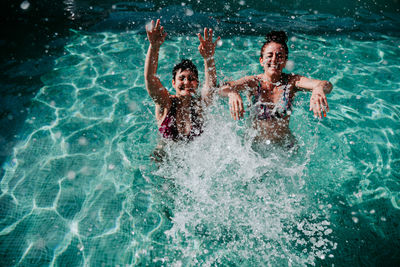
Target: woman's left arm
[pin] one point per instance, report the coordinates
(319, 90)
(207, 50)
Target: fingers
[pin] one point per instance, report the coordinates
(155, 28)
(316, 108)
(236, 107)
(149, 27)
(241, 109)
(319, 106)
(200, 38)
(208, 35)
(326, 103)
(216, 41)
(233, 109)
(322, 101)
(205, 34)
(162, 33)
(157, 23)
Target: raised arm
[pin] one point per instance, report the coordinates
(156, 36)
(207, 50)
(319, 90)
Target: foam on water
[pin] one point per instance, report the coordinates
(81, 189)
(231, 205)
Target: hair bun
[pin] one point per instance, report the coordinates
(277, 36)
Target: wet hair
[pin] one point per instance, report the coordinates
(279, 37)
(185, 64)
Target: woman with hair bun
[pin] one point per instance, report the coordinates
(273, 91)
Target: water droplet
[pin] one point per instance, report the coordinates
(290, 65)
(82, 141)
(71, 175)
(189, 12)
(57, 135)
(25, 5)
(320, 243)
(328, 231)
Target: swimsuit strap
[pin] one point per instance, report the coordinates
(258, 94)
(286, 94)
(169, 128)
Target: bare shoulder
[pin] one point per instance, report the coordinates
(292, 77)
(295, 80)
(161, 111)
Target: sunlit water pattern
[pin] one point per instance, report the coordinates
(82, 190)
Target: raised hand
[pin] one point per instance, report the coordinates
(207, 46)
(319, 103)
(155, 34)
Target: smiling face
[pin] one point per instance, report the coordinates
(185, 82)
(273, 58)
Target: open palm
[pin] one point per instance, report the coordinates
(207, 46)
(155, 33)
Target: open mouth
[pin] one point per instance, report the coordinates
(187, 89)
(273, 66)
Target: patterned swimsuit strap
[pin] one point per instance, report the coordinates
(286, 93)
(258, 94)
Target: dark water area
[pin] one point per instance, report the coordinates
(33, 27)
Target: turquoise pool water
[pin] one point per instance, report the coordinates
(80, 188)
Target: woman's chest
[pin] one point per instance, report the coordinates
(273, 93)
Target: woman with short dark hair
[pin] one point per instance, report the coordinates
(179, 116)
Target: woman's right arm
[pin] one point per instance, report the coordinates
(232, 89)
(156, 90)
